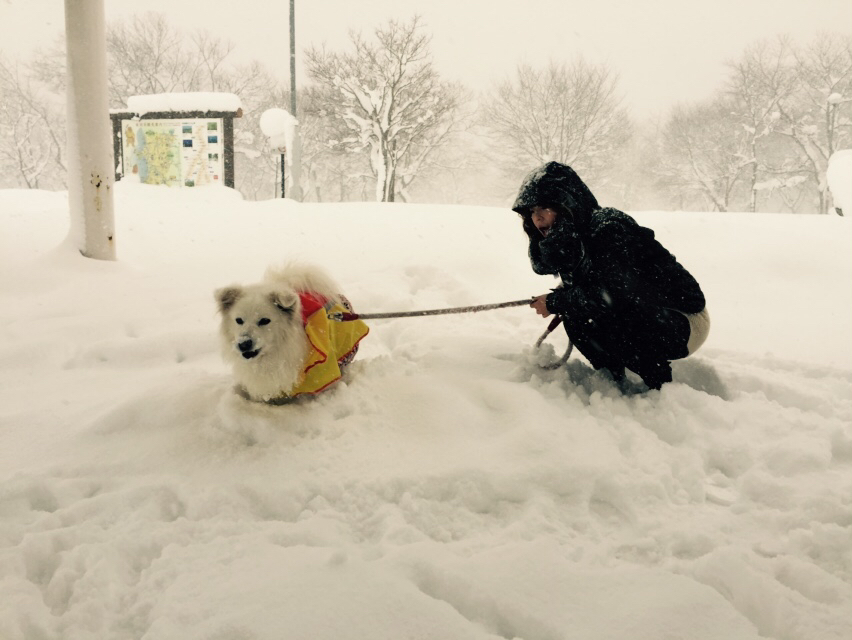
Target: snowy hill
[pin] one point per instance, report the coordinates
(450, 488)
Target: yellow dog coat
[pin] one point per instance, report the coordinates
(333, 344)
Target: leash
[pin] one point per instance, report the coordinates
(346, 317)
(340, 316)
(557, 320)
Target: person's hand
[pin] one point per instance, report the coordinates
(540, 305)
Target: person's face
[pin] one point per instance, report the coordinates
(543, 219)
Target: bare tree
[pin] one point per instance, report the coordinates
(386, 98)
(148, 56)
(329, 171)
(797, 104)
(463, 173)
(564, 112)
(818, 121)
(759, 82)
(32, 141)
(703, 151)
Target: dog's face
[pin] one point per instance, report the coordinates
(262, 333)
(257, 319)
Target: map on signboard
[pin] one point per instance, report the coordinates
(173, 152)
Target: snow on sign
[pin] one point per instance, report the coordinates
(173, 140)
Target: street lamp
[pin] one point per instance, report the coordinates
(279, 127)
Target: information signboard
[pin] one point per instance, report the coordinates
(185, 152)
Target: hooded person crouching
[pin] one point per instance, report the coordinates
(625, 301)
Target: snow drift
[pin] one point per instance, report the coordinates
(449, 488)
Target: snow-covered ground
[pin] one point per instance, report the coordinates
(450, 488)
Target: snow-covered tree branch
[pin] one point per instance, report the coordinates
(32, 140)
(704, 152)
(796, 101)
(565, 112)
(385, 99)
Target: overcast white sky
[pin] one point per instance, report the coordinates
(665, 50)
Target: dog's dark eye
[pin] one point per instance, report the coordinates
(239, 320)
(263, 321)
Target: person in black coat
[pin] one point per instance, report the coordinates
(625, 300)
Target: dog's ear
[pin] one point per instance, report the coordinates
(227, 296)
(286, 301)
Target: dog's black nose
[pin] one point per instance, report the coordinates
(246, 345)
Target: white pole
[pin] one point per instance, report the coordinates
(91, 171)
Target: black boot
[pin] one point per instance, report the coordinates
(655, 374)
(617, 373)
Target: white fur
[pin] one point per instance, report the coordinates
(281, 344)
(302, 277)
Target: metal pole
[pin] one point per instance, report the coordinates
(283, 176)
(296, 151)
(293, 58)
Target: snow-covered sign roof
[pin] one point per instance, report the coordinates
(194, 101)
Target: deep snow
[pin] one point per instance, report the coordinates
(449, 488)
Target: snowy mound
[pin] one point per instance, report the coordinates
(449, 487)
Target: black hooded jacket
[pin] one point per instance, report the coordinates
(613, 270)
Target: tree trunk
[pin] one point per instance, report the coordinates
(753, 194)
(390, 189)
(390, 172)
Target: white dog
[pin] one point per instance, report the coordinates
(278, 337)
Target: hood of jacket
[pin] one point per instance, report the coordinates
(556, 185)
